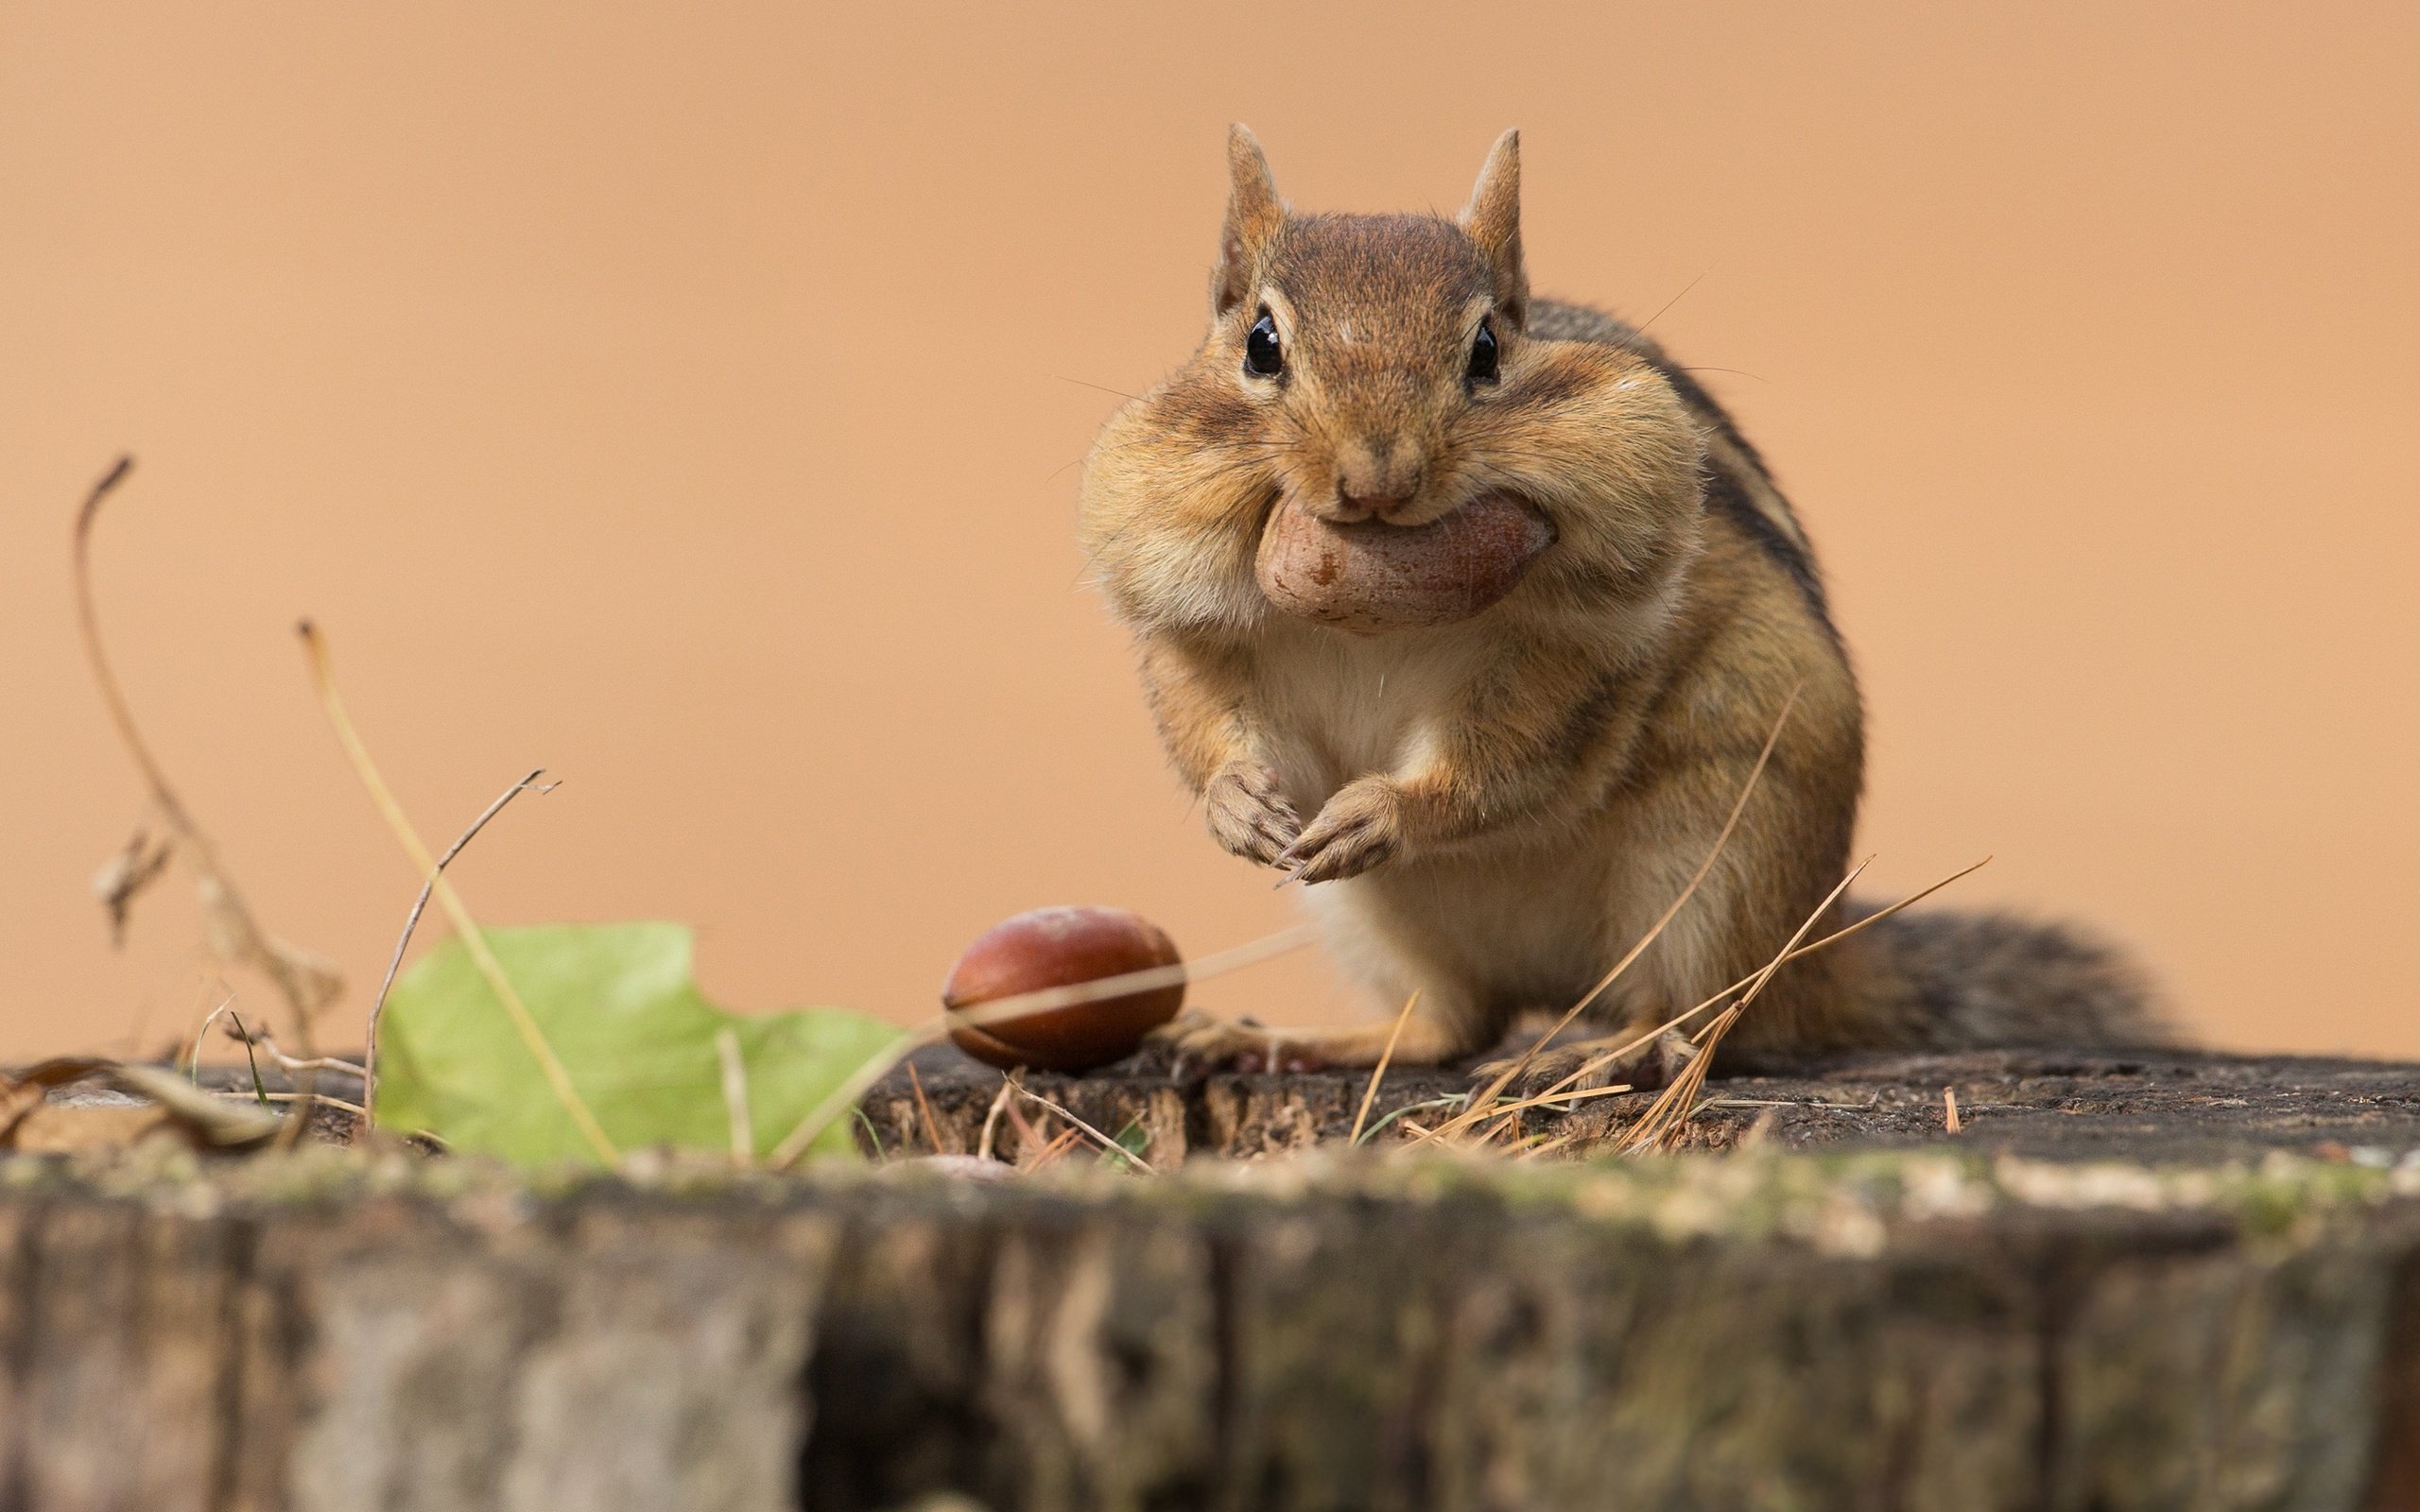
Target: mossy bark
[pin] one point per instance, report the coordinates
(1766, 1332)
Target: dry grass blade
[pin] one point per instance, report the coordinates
(1714, 852)
(474, 942)
(202, 1036)
(735, 1097)
(1044, 1000)
(992, 1117)
(1950, 1110)
(1665, 1117)
(412, 922)
(925, 1111)
(844, 1096)
(1686, 1014)
(1508, 1114)
(1378, 1071)
(307, 981)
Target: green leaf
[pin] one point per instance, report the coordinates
(619, 1006)
(1131, 1142)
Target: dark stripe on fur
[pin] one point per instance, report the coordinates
(1727, 497)
(1553, 321)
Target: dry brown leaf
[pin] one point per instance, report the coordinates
(124, 876)
(206, 1120)
(74, 1129)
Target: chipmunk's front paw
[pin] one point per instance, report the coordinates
(1204, 1044)
(1585, 1065)
(1362, 826)
(1247, 813)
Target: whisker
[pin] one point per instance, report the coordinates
(1673, 300)
(1081, 384)
(1741, 372)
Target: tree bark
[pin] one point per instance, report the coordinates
(1890, 1329)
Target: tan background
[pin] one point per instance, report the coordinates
(688, 398)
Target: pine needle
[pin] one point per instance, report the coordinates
(1378, 1073)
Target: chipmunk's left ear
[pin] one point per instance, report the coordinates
(1255, 216)
(1493, 220)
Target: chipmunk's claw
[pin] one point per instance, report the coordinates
(1359, 827)
(1248, 814)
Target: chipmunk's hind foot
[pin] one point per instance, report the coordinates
(1586, 1065)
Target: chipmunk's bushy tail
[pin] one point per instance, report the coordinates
(1960, 980)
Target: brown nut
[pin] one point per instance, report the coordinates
(1060, 947)
(1373, 577)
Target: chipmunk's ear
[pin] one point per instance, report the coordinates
(1254, 213)
(1493, 220)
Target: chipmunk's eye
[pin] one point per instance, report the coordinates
(1482, 369)
(1263, 358)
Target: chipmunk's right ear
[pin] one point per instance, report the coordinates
(1254, 214)
(1493, 220)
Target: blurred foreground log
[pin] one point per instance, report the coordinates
(1894, 1330)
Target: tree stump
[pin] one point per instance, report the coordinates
(2022, 1316)
(2163, 1106)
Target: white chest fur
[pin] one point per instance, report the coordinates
(1341, 706)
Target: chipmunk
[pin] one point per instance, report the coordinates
(1490, 805)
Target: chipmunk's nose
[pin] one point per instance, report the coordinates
(1376, 478)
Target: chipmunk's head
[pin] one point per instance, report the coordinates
(1371, 435)
(1367, 346)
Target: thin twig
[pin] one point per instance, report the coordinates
(267, 1039)
(307, 982)
(992, 1118)
(396, 962)
(1105, 1141)
(1378, 1073)
(735, 1096)
(1030, 1141)
(321, 1098)
(474, 942)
